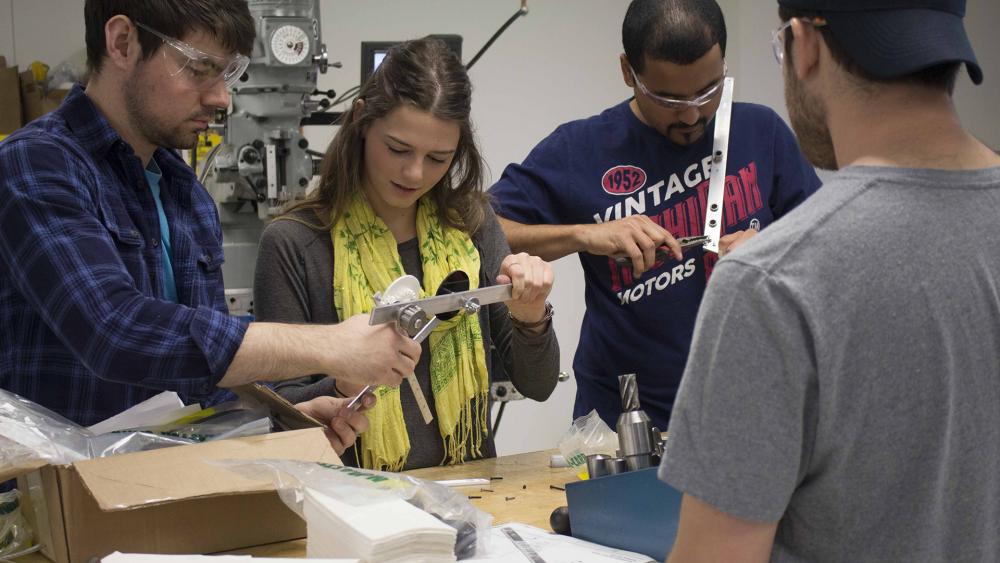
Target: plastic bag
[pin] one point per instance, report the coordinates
(15, 534)
(363, 486)
(35, 432)
(226, 420)
(64, 75)
(587, 435)
(30, 431)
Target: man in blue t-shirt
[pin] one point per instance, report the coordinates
(635, 178)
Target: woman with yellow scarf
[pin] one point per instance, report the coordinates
(401, 193)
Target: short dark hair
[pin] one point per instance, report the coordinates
(678, 31)
(229, 21)
(940, 77)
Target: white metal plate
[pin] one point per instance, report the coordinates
(720, 153)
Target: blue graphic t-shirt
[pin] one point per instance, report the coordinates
(612, 166)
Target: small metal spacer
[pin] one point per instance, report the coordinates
(471, 306)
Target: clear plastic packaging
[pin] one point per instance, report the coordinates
(227, 420)
(362, 486)
(15, 535)
(30, 432)
(586, 436)
(34, 432)
(64, 75)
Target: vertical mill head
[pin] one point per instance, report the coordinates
(629, 392)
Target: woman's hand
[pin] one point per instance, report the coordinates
(531, 278)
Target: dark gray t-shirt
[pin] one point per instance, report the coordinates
(294, 284)
(844, 377)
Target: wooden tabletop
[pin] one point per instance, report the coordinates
(523, 491)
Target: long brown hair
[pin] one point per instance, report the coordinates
(427, 75)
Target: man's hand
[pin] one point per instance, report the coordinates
(637, 237)
(729, 242)
(531, 278)
(376, 355)
(342, 425)
(351, 351)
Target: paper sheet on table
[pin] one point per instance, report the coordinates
(118, 557)
(161, 409)
(552, 548)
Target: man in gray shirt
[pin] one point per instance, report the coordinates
(842, 398)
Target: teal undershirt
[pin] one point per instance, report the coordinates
(153, 176)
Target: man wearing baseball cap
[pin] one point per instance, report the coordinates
(842, 397)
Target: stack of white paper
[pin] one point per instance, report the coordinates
(389, 531)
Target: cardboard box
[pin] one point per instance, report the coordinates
(166, 500)
(35, 102)
(10, 99)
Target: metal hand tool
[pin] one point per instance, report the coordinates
(470, 301)
(422, 334)
(663, 253)
(411, 316)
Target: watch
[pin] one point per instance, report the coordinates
(549, 311)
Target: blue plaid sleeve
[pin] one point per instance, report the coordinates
(65, 250)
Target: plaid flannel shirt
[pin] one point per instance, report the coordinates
(84, 327)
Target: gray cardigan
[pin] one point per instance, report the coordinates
(294, 284)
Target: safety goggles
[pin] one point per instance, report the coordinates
(678, 104)
(202, 69)
(778, 36)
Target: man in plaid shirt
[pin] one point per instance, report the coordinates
(110, 288)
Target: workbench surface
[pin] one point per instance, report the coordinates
(525, 477)
(523, 493)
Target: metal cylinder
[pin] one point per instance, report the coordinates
(597, 465)
(411, 319)
(617, 465)
(636, 462)
(634, 436)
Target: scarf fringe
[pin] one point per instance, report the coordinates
(469, 433)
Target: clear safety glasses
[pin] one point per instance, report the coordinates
(778, 36)
(676, 104)
(202, 69)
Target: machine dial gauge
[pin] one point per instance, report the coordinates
(290, 45)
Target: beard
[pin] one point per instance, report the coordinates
(149, 123)
(691, 134)
(809, 120)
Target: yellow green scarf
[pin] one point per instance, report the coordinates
(366, 261)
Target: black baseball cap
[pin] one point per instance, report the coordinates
(893, 38)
